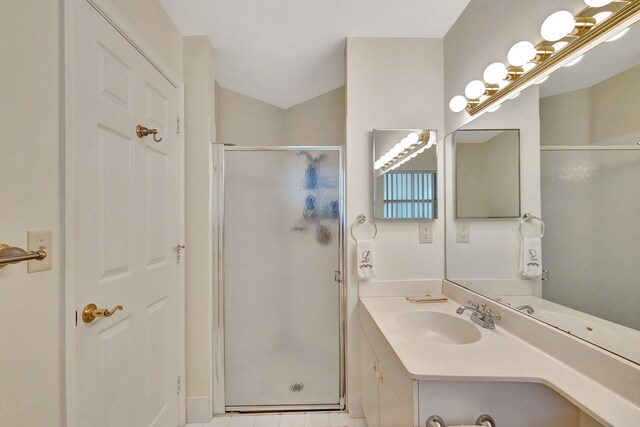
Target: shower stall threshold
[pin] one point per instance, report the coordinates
(282, 408)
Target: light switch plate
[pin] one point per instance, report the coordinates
(426, 232)
(36, 239)
(463, 234)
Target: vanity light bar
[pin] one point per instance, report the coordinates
(564, 36)
(406, 149)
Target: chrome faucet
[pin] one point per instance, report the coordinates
(482, 315)
(526, 308)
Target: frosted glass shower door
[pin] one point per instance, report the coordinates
(591, 207)
(282, 240)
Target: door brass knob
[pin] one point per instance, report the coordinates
(91, 311)
(142, 131)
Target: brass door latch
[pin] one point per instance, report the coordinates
(91, 311)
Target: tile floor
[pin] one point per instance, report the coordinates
(314, 419)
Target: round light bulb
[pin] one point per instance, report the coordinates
(559, 45)
(405, 143)
(528, 67)
(458, 103)
(521, 53)
(599, 17)
(475, 89)
(597, 3)
(619, 35)
(495, 73)
(557, 26)
(413, 138)
(575, 61)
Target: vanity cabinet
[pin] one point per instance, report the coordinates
(370, 381)
(387, 392)
(394, 397)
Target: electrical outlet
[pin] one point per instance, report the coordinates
(426, 232)
(35, 240)
(463, 234)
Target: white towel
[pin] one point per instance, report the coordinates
(364, 262)
(530, 258)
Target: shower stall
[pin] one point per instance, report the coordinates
(280, 292)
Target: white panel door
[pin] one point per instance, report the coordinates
(126, 226)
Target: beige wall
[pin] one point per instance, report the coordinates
(31, 323)
(200, 131)
(247, 121)
(488, 178)
(33, 365)
(243, 120)
(391, 83)
(318, 121)
(605, 113)
(615, 103)
(564, 118)
(483, 34)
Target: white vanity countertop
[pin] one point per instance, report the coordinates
(497, 356)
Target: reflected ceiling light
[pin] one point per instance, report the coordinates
(516, 95)
(542, 80)
(575, 61)
(408, 148)
(597, 3)
(619, 35)
(494, 108)
(562, 24)
(458, 103)
(599, 17)
(495, 73)
(521, 53)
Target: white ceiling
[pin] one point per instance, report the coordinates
(288, 51)
(604, 61)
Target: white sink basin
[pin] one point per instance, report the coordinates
(438, 327)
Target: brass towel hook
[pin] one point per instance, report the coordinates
(142, 131)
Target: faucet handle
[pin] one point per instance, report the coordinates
(473, 304)
(494, 316)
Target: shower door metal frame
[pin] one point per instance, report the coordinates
(218, 382)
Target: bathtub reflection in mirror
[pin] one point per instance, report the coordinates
(580, 142)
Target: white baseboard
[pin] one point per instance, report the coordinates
(355, 405)
(199, 409)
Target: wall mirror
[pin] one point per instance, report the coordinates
(487, 173)
(580, 142)
(405, 174)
